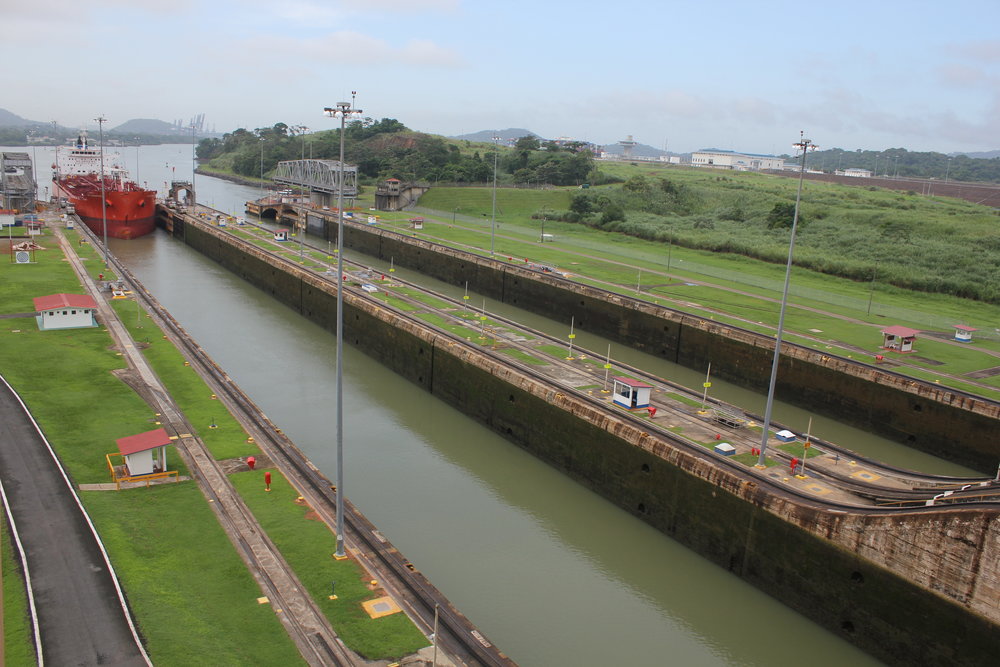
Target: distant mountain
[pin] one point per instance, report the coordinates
(982, 155)
(8, 119)
(510, 134)
(145, 126)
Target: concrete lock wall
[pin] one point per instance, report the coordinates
(926, 416)
(912, 588)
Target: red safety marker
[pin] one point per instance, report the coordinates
(267, 481)
(652, 411)
(251, 462)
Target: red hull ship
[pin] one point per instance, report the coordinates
(129, 208)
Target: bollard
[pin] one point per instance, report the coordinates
(267, 481)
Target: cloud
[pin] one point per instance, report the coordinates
(963, 76)
(983, 51)
(362, 50)
(39, 21)
(328, 13)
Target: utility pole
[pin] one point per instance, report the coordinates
(342, 110)
(805, 145)
(104, 205)
(261, 171)
(493, 216)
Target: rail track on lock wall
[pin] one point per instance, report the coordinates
(908, 489)
(456, 636)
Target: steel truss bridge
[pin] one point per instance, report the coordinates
(318, 176)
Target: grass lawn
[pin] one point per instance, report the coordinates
(18, 646)
(191, 593)
(447, 325)
(524, 356)
(554, 350)
(795, 449)
(307, 544)
(750, 460)
(192, 395)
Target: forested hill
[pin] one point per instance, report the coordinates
(900, 162)
(388, 149)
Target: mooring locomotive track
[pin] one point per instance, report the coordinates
(456, 635)
(890, 487)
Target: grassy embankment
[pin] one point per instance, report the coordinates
(18, 647)
(190, 591)
(668, 273)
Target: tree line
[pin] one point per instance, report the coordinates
(388, 149)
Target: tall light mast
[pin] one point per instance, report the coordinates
(342, 110)
(805, 145)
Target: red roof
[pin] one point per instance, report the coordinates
(143, 441)
(392, 180)
(904, 332)
(962, 327)
(633, 383)
(56, 301)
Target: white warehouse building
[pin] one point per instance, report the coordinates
(720, 159)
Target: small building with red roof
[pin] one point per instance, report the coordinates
(963, 334)
(65, 311)
(899, 338)
(631, 394)
(144, 453)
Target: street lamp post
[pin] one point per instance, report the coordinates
(493, 216)
(342, 111)
(805, 145)
(193, 203)
(34, 167)
(871, 292)
(947, 171)
(261, 172)
(104, 205)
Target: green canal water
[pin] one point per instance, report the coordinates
(549, 571)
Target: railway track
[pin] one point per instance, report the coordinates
(908, 490)
(456, 635)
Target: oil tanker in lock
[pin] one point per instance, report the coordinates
(79, 174)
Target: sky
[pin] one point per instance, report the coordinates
(681, 75)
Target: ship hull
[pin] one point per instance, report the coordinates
(130, 213)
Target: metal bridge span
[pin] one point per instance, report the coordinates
(321, 178)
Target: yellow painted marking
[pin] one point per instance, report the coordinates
(867, 476)
(262, 600)
(818, 489)
(185, 435)
(380, 607)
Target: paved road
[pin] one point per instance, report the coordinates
(81, 616)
